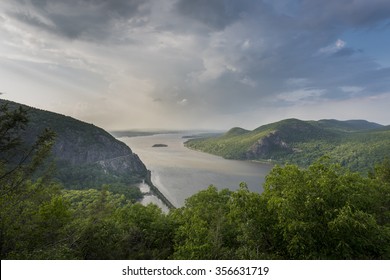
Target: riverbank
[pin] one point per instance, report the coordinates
(156, 191)
(179, 172)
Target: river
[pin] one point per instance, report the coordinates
(179, 172)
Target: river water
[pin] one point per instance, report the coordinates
(179, 172)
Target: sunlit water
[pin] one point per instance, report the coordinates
(180, 172)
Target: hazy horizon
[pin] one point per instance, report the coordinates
(213, 130)
(197, 64)
(197, 129)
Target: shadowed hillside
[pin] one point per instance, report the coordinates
(85, 155)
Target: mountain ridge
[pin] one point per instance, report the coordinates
(354, 143)
(81, 145)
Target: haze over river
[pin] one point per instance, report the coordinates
(179, 172)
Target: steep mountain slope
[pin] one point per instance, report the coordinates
(355, 143)
(84, 154)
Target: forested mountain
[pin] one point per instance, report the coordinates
(320, 212)
(85, 155)
(357, 144)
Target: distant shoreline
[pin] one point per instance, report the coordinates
(187, 134)
(140, 133)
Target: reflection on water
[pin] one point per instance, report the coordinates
(180, 172)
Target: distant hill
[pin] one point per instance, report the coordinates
(85, 155)
(350, 125)
(357, 144)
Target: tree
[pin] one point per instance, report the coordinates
(20, 196)
(18, 162)
(382, 171)
(204, 231)
(249, 215)
(147, 232)
(325, 212)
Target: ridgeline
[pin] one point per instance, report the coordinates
(356, 144)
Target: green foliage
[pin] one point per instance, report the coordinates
(357, 145)
(131, 193)
(37, 219)
(10, 123)
(204, 231)
(147, 232)
(249, 214)
(32, 213)
(32, 220)
(77, 153)
(323, 211)
(109, 227)
(323, 208)
(94, 176)
(382, 171)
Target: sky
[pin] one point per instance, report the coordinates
(197, 64)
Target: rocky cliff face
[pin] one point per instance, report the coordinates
(96, 146)
(130, 163)
(93, 145)
(79, 143)
(267, 146)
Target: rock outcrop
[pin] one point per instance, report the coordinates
(79, 143)
(265, 147)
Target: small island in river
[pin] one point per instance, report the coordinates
(159, 145)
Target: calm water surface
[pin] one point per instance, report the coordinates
(180, 172)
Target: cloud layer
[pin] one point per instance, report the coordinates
(196, 63)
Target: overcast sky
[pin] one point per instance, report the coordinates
(123, 64)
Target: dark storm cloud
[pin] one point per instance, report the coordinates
(259, 46)
(333, 13)
(251, 49)
(215, 14)
(85, 19)
(293, 45)
(219, 56)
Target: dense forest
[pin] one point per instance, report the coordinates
(355, 144)
(82, 156)
(322, 211)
